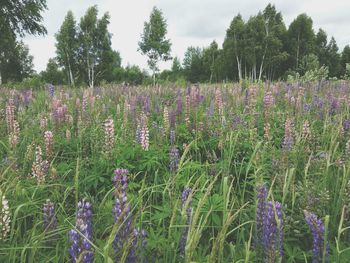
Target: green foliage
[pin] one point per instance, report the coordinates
(262, 48)
(133, 75)
(309, 70)
(17, 64)
(84, 51)
(154, 43)
(347, 71)
(95, 41)
(53, 74)
(192, 64)
(22, 17)
(67, 46)
(345, 58)
(16, 19)
(300, 39)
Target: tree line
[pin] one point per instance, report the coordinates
(263, 48)
(260, 48)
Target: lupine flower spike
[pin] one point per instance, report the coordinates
(186, 204)
(174, 157)
(144, 134)
(50, 221)
(40, 167)
(318, 233)
(48, 138)
(81, 236)
(109, 136)
(122, 216)
(269, 230)
(288, 140)
(4, 217)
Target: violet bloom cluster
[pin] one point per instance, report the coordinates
(81, 236)
(318, 232)
(184, 201)
(146, 105)
(50, 221)
(122, 215)
(268, 99)
(51, 90)
(269, 230)
(172, 137)
(27, 96)
(288, 140)
(179, 102)
(138, 134)
(346, 125)
(210, 109)
(174, 159)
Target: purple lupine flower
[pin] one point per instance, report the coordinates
(210, 110)
(318, 232)
(334, 105)
(201, 98)
(288, 140)
(185, 203)
(317, 102)
(288, 143)
(236, 121)
(172, 118)
(172, 137)
(27, 97)
(141, 234)
(272, 239)
(174, 158)
(307, 107)
(146, 105)
(260, 211)
(121, 212)
(269, 230)
(179, 102)
(81, 236)
(346, 125)
(50, 221)
(139, 237)
(138, 134)
(51, 90)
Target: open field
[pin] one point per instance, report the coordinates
(220, 173)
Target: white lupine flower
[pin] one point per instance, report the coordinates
(5, 218)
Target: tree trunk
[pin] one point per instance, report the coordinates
(262, 63)
(0, 79)
(92, 75)
(89, 69)
(261, 68)
(154, 78)
(297, 53)
(239, 67)
(71, 79)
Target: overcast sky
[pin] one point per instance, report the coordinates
(190, 22)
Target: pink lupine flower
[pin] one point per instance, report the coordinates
(144, 132)
(48, 139)
(10, 115)
(14, 135)
(40, 166)
(109, 136)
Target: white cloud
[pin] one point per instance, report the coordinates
(190, 22)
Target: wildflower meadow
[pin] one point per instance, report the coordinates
(204, 173)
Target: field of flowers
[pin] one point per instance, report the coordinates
(222, 173)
